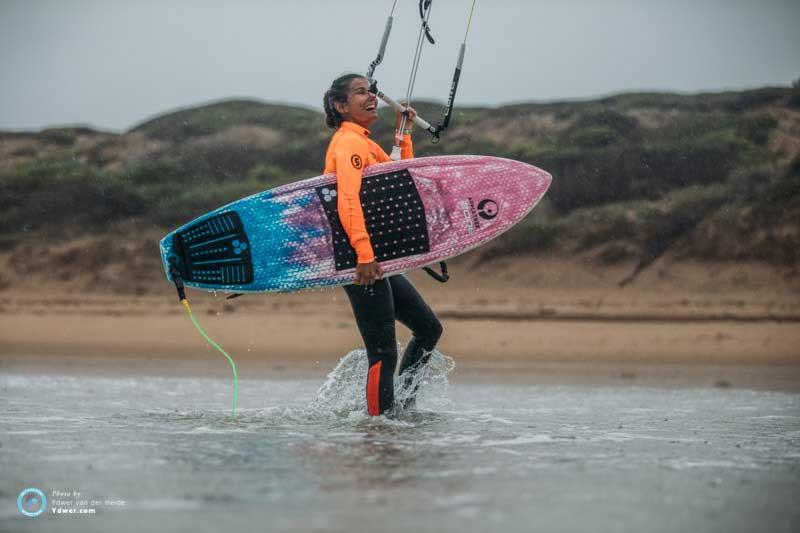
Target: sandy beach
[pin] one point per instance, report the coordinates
(510, 328)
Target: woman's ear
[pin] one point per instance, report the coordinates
(340, 107)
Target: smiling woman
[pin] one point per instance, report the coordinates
(341, 92)
(377, 302)
(351, 109)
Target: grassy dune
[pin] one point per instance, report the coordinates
(707, 177)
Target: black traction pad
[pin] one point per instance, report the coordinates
(394, 216)
(215, 251)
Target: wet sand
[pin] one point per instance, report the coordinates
(746, 338)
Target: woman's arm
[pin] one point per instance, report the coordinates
(351, 156)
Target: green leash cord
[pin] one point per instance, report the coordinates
(210, 341)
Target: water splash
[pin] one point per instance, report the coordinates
(430, 385)
(342, 393)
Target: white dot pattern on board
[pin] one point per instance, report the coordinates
(384, 217)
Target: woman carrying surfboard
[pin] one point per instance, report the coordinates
(350, 109)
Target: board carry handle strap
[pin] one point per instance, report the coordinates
(441, 278)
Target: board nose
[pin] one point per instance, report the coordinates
(536, 180)
(513, 185)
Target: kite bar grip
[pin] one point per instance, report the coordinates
(419, 121)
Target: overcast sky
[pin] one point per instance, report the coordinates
(111, 64)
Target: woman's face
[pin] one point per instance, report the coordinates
(361, 106)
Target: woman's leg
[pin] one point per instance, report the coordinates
(412, 311)
(374, 311)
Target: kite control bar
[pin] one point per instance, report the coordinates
(424, 10)
(435, 131)
(419, 121)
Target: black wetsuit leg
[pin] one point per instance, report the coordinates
(373, 308)
(412, 311)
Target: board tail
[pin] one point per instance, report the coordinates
(213, 251)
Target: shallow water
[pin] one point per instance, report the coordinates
(472, 457)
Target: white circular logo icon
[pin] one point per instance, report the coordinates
(31, 502)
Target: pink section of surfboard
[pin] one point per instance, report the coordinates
(468, 201)
(481, 196)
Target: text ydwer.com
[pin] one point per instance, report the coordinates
(71, 510)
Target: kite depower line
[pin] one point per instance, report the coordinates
(424, 34)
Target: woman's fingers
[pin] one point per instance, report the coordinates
(410, 112)
(367, 273)
(371, 273)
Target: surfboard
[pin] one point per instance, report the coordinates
(417, 212)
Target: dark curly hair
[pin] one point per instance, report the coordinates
(337, 93)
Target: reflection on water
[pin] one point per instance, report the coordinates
(472, 457)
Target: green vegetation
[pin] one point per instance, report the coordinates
(63, 195)
(199, 121)
(634, 174)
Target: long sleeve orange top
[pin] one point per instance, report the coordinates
(349, 153)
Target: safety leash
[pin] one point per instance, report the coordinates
(178, 280)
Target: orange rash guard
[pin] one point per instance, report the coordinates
(349, 153)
